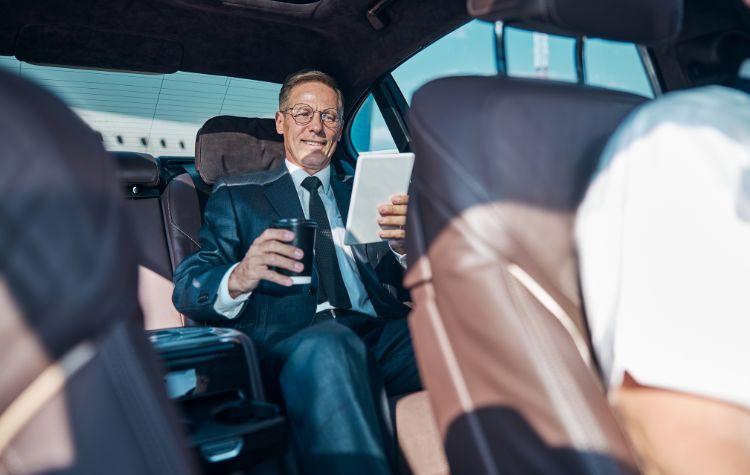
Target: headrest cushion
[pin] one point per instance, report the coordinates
(638, 21)
(228, 146)
(136, 168)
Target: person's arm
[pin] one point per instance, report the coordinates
(198, 277)
(214, 282)
(227, 305)
(680, 433)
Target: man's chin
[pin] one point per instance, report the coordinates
(315, 160)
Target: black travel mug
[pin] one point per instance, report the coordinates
(304, 238)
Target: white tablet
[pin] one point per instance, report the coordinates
(378, 176)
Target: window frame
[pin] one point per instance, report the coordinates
(644, 54)
(394, 109)
(389, 97)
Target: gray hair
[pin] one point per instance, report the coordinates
(305, 76)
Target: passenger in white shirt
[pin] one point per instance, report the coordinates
(664, 241)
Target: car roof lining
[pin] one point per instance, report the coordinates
(259, 39)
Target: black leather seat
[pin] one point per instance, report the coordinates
(224, 146)
(498, 322)
(79, 390)
(141, 183)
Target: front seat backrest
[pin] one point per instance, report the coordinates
(79, 389)
(498, 325)
(498, 322)
(225, 146)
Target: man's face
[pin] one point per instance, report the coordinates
(310, 146)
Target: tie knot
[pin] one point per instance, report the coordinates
(311, 183)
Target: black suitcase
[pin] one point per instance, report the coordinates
(213, 375)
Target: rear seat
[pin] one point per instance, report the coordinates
(227, 146)
(139, 177)
(224, 146)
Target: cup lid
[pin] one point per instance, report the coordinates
(293, 222)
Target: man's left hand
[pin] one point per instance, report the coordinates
(392, 220)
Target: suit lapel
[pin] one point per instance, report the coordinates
(342, 190)
(283, 197)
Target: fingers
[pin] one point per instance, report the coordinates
(273, 234)
(268, 252)
(275, 277)
(392, 221)
(276, 260)
(392, 234)
(392, 210)
(400, 199)
(277, 247)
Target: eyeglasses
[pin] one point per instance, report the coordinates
(303, 114)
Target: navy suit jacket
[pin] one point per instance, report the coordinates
(239, 210)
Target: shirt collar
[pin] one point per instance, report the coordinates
(298, 174)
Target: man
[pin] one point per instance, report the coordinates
(663, 238)
(329, 347)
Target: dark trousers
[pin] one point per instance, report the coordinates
(333, 378)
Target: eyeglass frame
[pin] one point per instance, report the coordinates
(338, 116)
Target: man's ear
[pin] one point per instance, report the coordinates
(280, 123)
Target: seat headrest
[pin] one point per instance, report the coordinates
(229, 146)
(640, 21)
(136, 168)
(66, 251)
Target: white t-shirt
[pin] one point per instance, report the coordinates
(664, 241)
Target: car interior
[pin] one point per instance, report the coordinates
(502, 162)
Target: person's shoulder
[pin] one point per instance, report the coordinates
(708, 105)
(259, 178)
(682, 113)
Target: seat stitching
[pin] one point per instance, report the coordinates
(174, 223)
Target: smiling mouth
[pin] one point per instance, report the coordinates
(311, 143)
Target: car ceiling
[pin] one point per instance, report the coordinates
(259, 39)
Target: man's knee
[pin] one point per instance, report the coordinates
(325, 350)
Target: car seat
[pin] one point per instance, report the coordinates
(498, 323)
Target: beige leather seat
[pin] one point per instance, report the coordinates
(498, 322)
(79, 389)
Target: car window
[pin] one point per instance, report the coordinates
(615, 65)
(609, 64)
(539, 55)
(472, 50)
(153, 113)
(368, 131)
(468, 50)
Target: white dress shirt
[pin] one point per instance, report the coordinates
(664, 242)
(232, 307)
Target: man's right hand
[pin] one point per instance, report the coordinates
(268, 250)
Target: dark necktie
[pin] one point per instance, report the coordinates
(332, 286)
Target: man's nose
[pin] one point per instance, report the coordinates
(316, 123)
